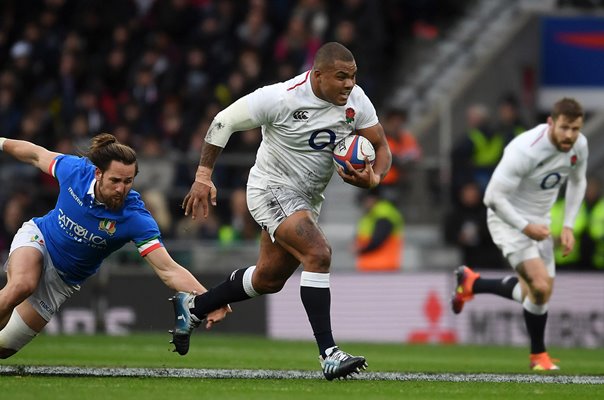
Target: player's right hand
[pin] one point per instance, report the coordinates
(198, 195)
(536, 231)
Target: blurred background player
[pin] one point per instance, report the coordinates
(519, 196)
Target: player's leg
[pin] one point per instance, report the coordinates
(24, 324)
(516, 247)
(301, 236)
(269, 207)
(273, 267)
(534, 273)
(469, 283)
(24, 268)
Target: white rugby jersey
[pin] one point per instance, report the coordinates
(530, 175)
(299, 131)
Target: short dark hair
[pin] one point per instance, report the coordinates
(331, 52)
(568, 107)
(105, 148)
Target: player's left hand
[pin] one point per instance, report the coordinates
(364, 178)
(567, 240)
(217, 315)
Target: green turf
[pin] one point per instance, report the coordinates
(224, 351)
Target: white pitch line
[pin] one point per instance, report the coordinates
(21, 370)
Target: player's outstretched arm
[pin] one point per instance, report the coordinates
(176, 277)
(29, 153)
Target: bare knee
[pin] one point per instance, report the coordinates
(541, 290)
(6, 353)
(267, 283)
(19, 291)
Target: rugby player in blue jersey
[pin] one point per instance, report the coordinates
(97, 212)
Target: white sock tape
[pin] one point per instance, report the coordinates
(537, 309)
(16, 333)
(247, 282)
(314, 279)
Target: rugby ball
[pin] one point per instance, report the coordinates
(354, 149)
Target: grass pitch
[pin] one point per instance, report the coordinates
(238, 367)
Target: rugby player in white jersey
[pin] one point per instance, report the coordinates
(519, 198)
(301, 120)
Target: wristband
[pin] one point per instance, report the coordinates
(2, 140)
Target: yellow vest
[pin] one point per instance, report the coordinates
(596, 232)
(387, 257)
(487, 151)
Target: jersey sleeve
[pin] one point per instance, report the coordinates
(577, 183)
(146, 235)
(64, 166)
(263, 103)
(506, 178)
(514, 165)
(368, 116)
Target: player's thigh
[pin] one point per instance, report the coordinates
(275, 261)
(24, 268)
(300, 235)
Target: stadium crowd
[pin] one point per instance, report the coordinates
(155, 72)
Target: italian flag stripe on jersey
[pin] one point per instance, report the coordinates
(148, 246)
(51, 168)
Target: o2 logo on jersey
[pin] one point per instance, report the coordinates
(321, 139)
(551, 181)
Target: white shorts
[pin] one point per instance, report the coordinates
(517, 247)
(272, 205)
(51, 291)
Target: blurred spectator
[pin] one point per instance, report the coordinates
(593, 195)
(593, 256)
(157, 204)
(255, 32)
(475, 157)
(157, 166)
(406, 152)
(380, 237)
(297, 45)
(10, 114)
(465, 227)
(509, 123)
(16, 210)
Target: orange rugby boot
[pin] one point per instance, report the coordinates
(463, 291)
(543, 362)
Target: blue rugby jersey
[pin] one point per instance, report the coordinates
(80, 233)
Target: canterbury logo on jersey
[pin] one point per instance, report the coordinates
(300, 115)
